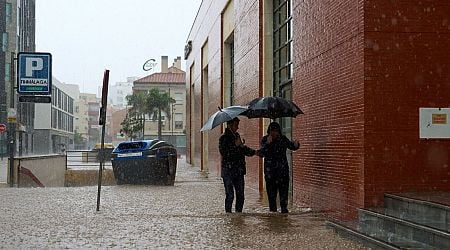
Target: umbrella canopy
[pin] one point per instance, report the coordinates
(271, 107)
(223, 115)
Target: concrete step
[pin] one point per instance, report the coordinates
(419, 211)
(378, 224)
(350, 230)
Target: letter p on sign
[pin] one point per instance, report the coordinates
(33, 64)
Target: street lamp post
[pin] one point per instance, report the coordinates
(173, 104)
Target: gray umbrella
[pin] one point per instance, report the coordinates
(223, 115)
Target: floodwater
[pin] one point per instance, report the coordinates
(188, 215)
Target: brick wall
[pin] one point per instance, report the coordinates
(247, 76)
(360, 78)
(362, 69)
(407, 66)
(207, 27)
(329, 87)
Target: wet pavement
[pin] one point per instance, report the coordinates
(188, 215)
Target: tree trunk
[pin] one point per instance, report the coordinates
(159, 125)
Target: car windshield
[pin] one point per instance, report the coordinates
(132, 145)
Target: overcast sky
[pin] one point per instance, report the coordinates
(85, 37)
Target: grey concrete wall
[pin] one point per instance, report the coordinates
(48, 170)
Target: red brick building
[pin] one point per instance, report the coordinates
(359, 70)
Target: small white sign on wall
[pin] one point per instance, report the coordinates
(434, 123)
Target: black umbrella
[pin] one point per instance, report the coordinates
(271, 107)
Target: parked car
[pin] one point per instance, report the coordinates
(144, 162)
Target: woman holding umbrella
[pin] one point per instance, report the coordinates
(276, 168)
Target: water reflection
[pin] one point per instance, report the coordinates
(279, 224)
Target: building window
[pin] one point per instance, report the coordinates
(282, 45)
(179, 97)
(53, 96)
(59, 99)
(54, 118)
(8, 12)
(7, 71)
(60, 120)
(229, 70)
(178, 124)
(5, 42)
(70, 105)
(282, 56)
(231, 65)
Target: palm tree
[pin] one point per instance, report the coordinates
(158, 102)
(137, 101)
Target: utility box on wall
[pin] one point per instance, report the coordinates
(434, 123)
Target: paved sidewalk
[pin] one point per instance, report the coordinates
(188, 215)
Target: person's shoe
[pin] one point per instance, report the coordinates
(284, 211)
(228, 211)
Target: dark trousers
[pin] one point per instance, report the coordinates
(276, 186)
(234, 184)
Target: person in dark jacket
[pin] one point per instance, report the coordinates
(233, 152)
(276, 168)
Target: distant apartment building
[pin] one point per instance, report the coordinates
(88, 109)
(170, 80)
(54, 122)
(17, 34)
(118, 115)
(82, 118)
(117, 93)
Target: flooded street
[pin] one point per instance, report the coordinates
(188, 215)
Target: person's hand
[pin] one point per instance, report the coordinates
(296, 143)
(269, 139)
(238, 141)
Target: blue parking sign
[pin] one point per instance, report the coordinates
(34, 74)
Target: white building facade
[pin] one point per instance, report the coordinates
(54, 122)
(117, 93)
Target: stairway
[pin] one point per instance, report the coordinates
(408, 221)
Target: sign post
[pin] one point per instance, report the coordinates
(102, 122)
(12, 120)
